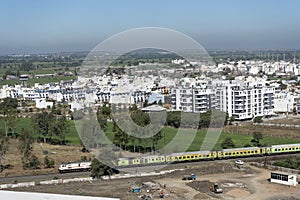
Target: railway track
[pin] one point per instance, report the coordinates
(50, 176)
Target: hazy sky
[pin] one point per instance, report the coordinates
(29, 26)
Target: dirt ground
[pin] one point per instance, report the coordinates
(248, 128)
(248, 182)
(56, 152)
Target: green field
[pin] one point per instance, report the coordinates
(240, 140)
(43, 80)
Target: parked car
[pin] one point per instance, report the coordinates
(239, 162)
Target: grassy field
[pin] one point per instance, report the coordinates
(169, 134)
(43, 80)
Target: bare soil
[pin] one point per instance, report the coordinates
(56, 152)
(248, 128)
(251, 183)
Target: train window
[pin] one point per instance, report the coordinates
(192, 156)
(226, 154)
(275, 150)
(293, 148)
(252, 151)
(183, 157)
(229, 153)
(245, 152)
(255, 151)
(152, 159)
(188, 157)
(207, 155)
(289, 148)
(286, 148)
(241, 152)
(179, 157)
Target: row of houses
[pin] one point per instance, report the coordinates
(242, 98)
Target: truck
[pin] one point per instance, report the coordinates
(216, 188)
(189, 177)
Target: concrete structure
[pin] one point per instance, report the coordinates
(284, 178)
(284, 102)
(40, 196)
(42, 103)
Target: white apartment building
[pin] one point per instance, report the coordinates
(245, 102)
(192, 96)
(241, 99)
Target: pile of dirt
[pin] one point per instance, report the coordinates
(201, 186)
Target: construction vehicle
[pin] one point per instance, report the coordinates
(189, 177)
(215, 188)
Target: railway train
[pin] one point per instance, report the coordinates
(75, 167)
(189, 156)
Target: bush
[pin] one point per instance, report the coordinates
(33, 163)
(257, 120)
(227, 143)
(48, 163)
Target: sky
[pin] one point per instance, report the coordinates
(35, 26)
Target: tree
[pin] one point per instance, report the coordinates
(231, 119)
(48, 162)
(42, 123)
(227, 143)
(257, 120)
(121, 139)
(155, 139)
(9, 109)
(25, 145)
(257, 136)
(4, 144)
(98, 169)
(59, 128)
(33, 163)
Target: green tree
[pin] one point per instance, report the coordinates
(48, 162)
(25, 145)
(9, 109)
(4, 144)
(227, 143)
(60, 128)
(155, 139)
(98, 169)
(257, 136)
(121, 139)
(33, 163)
(42, 124)
(257, 120)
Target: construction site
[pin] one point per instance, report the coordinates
(202, 180)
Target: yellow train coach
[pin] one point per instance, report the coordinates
(191, 156)
(241, 152)
(285, 148)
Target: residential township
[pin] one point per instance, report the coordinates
(249, 94)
